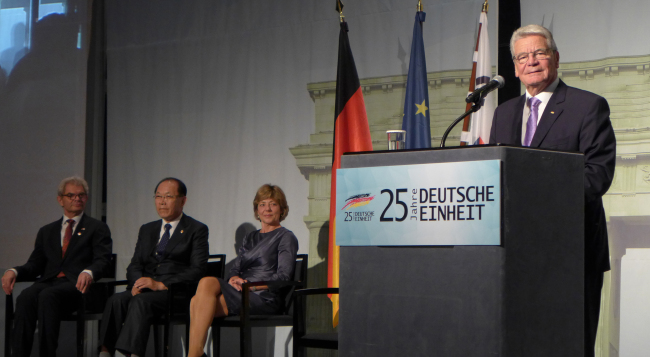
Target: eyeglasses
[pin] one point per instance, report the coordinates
(72, 196)
(163, 198)
(539, 55)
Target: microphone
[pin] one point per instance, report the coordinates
(496, 82)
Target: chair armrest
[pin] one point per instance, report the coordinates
(256, 286)
(316, 291)
(27, 279)
(247, 288)
(300, 308)
(105, 284)
(105, 280)
(269, 285)
(111, 284)
(9, 302)
(115, 283)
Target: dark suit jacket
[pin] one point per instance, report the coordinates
(574, 120)
(90, 248)
(185, 257)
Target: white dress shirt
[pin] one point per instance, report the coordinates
(174, 224)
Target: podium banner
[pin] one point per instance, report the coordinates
(455, 203)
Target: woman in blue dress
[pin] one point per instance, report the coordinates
(266, 255)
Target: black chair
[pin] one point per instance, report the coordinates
(178, 305)
(91, 305)
(245, 322)
(303, 340)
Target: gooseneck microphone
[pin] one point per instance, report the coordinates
(475, 96)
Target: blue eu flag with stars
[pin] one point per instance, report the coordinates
(416, 103)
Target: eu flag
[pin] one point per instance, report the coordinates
(416, 103)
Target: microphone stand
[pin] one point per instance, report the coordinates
(475, 107)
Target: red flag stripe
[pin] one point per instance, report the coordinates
(352, 133)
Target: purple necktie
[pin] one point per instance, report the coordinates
(531, 125)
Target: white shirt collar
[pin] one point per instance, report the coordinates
(173, 223)
(546, 94)
(75, 218)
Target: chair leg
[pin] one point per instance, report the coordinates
(166, 331)
(81, 327)
(187, 335)
(245, 341)
(295, 348)
(156, 340)
(216, 341)
(9, 316)
(81, 334)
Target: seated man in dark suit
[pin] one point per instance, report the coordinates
(68, 255)
(171, 250)
(553, 115)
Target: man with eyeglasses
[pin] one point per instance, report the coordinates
(170, 250)
(553, 115)
(69, 254)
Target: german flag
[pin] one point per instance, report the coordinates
(351, 133)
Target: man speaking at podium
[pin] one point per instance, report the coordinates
(552, 115)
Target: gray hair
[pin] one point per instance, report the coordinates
(75, 180)
(531, 30)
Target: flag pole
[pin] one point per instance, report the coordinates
(420, 5)
(351, 134)
(472, 79)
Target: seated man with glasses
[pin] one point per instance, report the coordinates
(69, 254)
(552, 115)
(170, 250)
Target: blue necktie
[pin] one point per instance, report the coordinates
(163, 242)
(531, 125)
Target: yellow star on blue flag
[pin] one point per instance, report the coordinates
(422, 108)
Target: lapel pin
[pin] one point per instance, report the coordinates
(552, 112)
(79, 233)
(181, 231)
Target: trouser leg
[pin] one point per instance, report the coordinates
(54, 303)
(113, 318)
(593, 291)
(143, 308)
(25, 319)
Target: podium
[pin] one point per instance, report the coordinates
(522, 297)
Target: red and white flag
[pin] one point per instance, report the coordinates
(481, 121)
